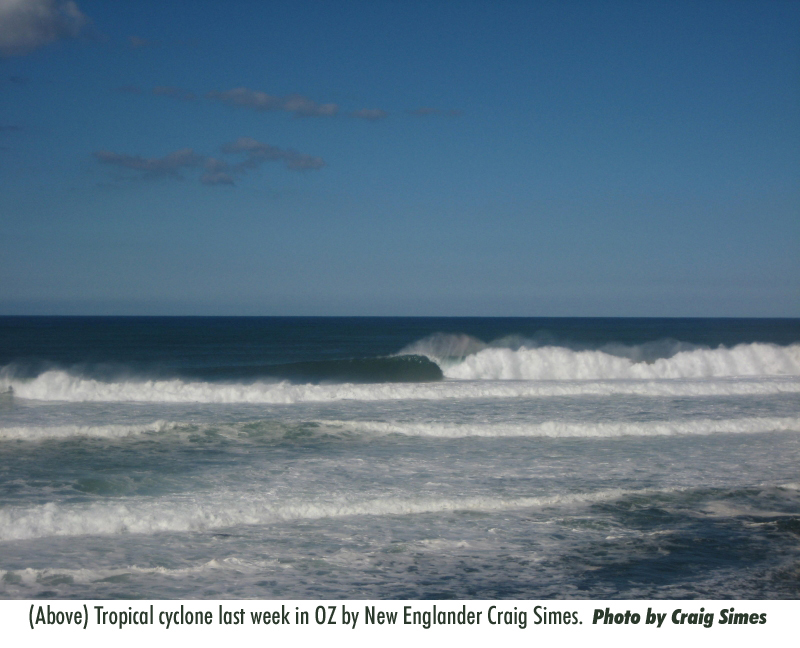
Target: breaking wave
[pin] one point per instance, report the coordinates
(63, 386)
(471, 370)
(561, 363)
(227, 510)
(30, 433)
(268, 429)
(50, 576)
(563, 429)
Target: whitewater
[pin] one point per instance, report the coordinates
(397, 457)
(685, 373)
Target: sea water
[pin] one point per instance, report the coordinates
(399, 458)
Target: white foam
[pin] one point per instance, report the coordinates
(187, 514)
(442, 347)
(562, 429)
(31, 577)
(59, 385)
(559, 363)
(30, 433)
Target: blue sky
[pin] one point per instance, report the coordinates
(400, 158)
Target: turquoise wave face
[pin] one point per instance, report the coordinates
(409, 368)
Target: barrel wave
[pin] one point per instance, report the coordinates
(485, 372)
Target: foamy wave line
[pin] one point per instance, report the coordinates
(91, 431)
(59, 385)
(552, 429)
(559, 363)
(30, 577)
(561, 429)
(189, 515)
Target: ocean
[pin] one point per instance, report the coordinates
(399, 458)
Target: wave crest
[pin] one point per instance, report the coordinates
(31, 433)
(566, 429)
(189, 514)
(62, 386)
(560, 363)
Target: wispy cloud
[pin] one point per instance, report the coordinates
(257, 153)
(28, 24)
(298, 105)
(295, 104)
(370, 114)
(215, 171)
(168, 166)
(174, 93)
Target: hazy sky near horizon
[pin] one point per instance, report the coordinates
(400, 158)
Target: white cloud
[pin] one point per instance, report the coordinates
(169, 165)
(215, 171)
(258, 153)
(298, 105)
(28, 24)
